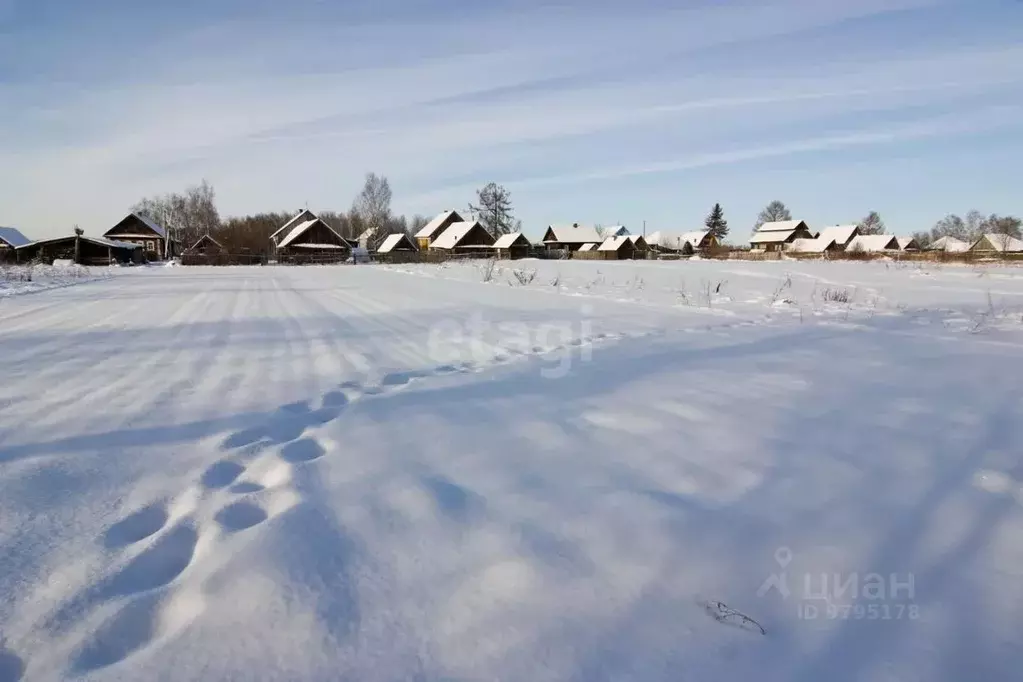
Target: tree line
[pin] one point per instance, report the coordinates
(193, 213)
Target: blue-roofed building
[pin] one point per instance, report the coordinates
(10, 239)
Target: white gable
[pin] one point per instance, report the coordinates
(506, 241)
(392, 241)
(450, 237)
(780, 226)
(613, 243)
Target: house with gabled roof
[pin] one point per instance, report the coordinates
(907, 244)
(820, 245)
(949, 245)
(776, 236)
(398, 242)
(11, 239)
(570, 237)
(873, 243)
(302, 216)
(136, 228)
(313, 241)
(997, 243)
(206, 244)
(841, 235)
(465, 237)
(436, 227)
(513, 245)
(618, 248)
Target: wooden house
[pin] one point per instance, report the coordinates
(907, 244)
(617, 248)
(700, 240)
(82, 250)
(464, 237)
(434, 228)
(820, 245)
(570, 237)
(949, 245)
(873, 243)
(778, 235)
(302, 216)
(206, 245)
(144, 231)
(997, 243)
(513, 246)
(11, 239)
(841, 235)
(398, 242)
(313, 241)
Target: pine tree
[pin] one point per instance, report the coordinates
(716, 223)
(494, 210)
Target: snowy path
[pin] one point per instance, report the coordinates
(357, 473)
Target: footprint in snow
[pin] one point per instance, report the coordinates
(304, 450)
(222, 474)
(11, 666)
(136, 527)
(241, 516)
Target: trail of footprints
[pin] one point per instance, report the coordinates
(172, 546)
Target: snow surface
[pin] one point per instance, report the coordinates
(24, 279)
(616, 471)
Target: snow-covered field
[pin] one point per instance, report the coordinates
(616, 471)
(24, 279)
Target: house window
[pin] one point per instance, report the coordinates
(149, 245)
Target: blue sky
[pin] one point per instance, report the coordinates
(603, 111)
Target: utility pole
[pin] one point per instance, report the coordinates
(644, 229)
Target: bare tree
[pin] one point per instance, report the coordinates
(187, 216)
(774, 212)
(872, 224)
(974, 224)
(1009, 226)
(494, 209)
(373, 205)
(951, 226)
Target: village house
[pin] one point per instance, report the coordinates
(144, 231)
(997, 243)
(206, 245)
(617, 248)
(397, 243)
(700, 240)
(302, 216)
(513, 245)
(82, 250)
(873, 243)
(777, 236)
(907, 244)
(820, 245)
(570, 237)
(948, 245)
(464, 237)
(666, 242)
(639, 244)
(436, 227)
(313, 241)
(841, 235)
(11, 239)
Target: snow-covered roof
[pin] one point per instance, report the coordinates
(318, 246)
(635, 238)
(671, 240)
(450, 237)
(873, 242)
(392, 241)
(841, 234)
(695, 238)
(616, 231)
(614, 243)
(818, 245)
(98, 241)
(770, 237)
(438, 222)
(302, 216)
(574, 234)
(302, 228)
(587, 247)
(906, 243)
(781, 226)
(151, 224)
(13, 237)
(949, 245)
(206, 238)
(1003, 243)
(367, 233)
(506, 241)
